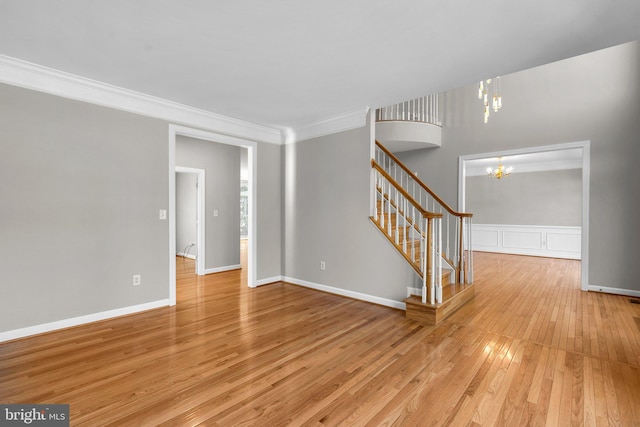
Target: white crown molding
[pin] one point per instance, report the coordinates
(24, 74)
(340, 123)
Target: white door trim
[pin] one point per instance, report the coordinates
(251, 147)
(586, 165)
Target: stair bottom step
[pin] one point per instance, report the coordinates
(433, 314)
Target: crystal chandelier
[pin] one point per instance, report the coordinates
(490, 86)
(499, 172)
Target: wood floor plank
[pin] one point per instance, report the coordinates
(530, 349)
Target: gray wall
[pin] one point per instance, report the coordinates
(186, 212)
(221, 163)
(326, 219)
(592, 97)
(269, 212)
(552, 198)
(80, 189)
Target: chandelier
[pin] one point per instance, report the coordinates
(490, 86)
(499, 172)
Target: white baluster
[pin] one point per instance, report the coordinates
(381, 185)
(404, 222)
(424, 109)
(413, 245)
(448, 236)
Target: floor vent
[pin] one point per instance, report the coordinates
(634, 301)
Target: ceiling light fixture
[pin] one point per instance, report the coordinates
(487, 86)
(499, 172)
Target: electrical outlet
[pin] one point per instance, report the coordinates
(323, 266)
(162, 214)
(137, 280)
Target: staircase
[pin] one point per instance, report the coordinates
(433, 238)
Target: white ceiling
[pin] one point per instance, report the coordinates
(290, 63)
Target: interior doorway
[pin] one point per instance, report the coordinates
(190, 211)
(466, 162)
(250, 146)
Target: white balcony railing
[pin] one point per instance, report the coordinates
(424, 109)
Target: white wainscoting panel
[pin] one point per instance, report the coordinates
(546, 241)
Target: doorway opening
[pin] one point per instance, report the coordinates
(467, 162)
(250, 146)
(190, 212)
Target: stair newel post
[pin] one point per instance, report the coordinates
(439, 262)
(470, 243)
(429, 258)
(423, 261)
(461, 265)
(468, 266)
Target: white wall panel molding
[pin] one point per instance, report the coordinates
(43, 79)
(546, 241)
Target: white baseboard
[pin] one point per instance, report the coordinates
(182, 254)
(269, 280)
(346, 293)
(615, 291)
(413, 291)
(80, 320)
(221, 269)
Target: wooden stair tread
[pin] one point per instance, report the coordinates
(454, 296)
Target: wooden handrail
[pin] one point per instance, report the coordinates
(422, 184)
(421, 210)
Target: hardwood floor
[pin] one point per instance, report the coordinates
(531, 349)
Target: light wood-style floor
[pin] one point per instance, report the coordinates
(531, 349)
